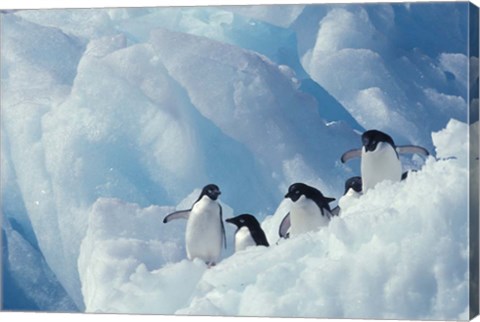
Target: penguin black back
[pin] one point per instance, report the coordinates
(249, 221)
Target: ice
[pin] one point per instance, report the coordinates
(282, 16)
(457, 65)
(88, 144)
(37, 79)
(358, 48)
(30, 283)
(83, 23)
(244, 102)
(341, 29)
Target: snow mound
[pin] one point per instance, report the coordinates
(128, 250)
(120, 238)
(398, 251)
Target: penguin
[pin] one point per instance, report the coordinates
(248, 233)
(353, 185)
(205, 232)
(310, 210)
(380, 158)
(353, 189)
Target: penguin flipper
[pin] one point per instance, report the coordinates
(223, 228)
(284, 226)
(177, 215)
(412, 149)
(335, 211)
(351, 154)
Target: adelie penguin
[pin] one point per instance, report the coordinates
(249, 233)
(205, 233)
(353, 190)
(310, 210)
(380, 158)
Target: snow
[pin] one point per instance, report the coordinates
(360, 266)
(113, 118)
(449, 145)
(335, 272)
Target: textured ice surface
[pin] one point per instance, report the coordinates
(28, 282)
(388, 71)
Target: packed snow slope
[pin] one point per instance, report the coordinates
(111, 118)
(399, 251)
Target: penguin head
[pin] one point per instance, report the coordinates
(244, 220)
(210, 190)
(371, 138)
(296, 190)
(354, 183)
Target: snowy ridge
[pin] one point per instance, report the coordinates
(360, 266)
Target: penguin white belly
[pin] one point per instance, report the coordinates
(203, 236)
(305, 216)
(379, 165)
(243, 239)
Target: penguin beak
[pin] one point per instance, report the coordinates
(230, 220)
(288, 195)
